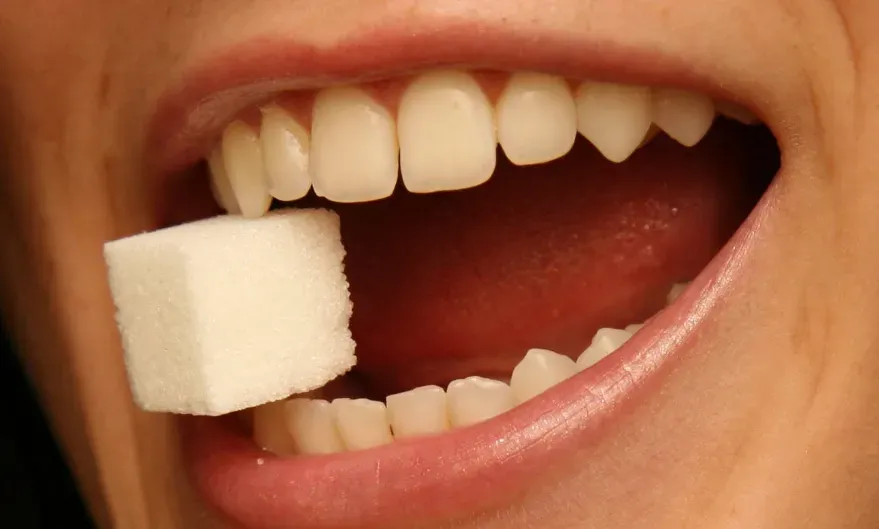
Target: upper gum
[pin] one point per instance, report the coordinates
(387, 92)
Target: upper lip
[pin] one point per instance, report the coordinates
(190, 115)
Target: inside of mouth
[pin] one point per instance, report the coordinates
(449, 285)
(452, 285)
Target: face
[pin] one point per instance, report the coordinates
(746, 402)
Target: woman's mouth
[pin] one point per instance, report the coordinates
(515, 242)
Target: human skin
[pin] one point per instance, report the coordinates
(772, 424)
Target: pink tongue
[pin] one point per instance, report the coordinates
(456, 284)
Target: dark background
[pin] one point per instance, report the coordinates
(36, 489)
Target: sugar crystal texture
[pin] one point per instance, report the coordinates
(228, 313)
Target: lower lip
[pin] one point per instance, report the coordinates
(469, 469)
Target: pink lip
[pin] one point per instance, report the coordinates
(191, 115)
(470, 469)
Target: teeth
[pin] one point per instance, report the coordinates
(537, 118)
(445, 136)
(362, 423)
(604, 342)
(633, 328)
(476, 399)
(447, 133)
(220, 185)
(736, 112)
(610, 339)
(539, 371)
(353, 147)
(312, 426)
(420, 411)
(315, 426)
(285, 147)
(676, 290)
(615, 118)
(652, 133)
(270, 428)
(242, 159)
(685, 116)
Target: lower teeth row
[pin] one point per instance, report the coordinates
(316, 426)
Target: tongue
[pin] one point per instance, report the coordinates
(457, 284)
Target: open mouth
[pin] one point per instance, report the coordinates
(516, 247)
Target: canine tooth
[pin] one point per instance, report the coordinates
(476, 399)
(685, 116)
(285, 146)
(615, 118)
(447, 134)
(604, 342)
(676, 290)
(270, 428)
(220, 185)
(736, 112)
(633, 328)
(362, 423)
(536, 118)
(312, 426)
(419, 411)
(242, 159)
(353, 147)
(539, 371)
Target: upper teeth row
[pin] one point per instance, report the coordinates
(444, 137)
(316, 426)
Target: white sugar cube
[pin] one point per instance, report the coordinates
(229, 313)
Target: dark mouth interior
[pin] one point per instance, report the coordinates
(450, 285)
